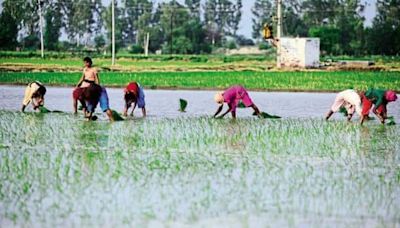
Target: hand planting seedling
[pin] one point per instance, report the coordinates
(391, 121)
(241, 105)
(182, 105)
(43, 109)
(343, 111)
(267, 116)
(116, 116)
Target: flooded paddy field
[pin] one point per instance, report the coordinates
(186, 169)
(165, 103)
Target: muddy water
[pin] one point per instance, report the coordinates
(165, 103)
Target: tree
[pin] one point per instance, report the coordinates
(136, 18)
(351, 25)
(173, 17)
(194, 8)
(118, 25)
(262, 12)
(53, 25)
(319, 12)
(222, 18)
(236, 17)
(329, 38)
(30, 18)
(341, 16)
(10, 22)
(293, 24)
(8, 31)
(83, 17)
(383, 37)
(99, 42)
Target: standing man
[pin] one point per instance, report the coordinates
(89, 77)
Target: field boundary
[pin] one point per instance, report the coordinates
(190, 88)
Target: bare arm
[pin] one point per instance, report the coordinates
(133, 109)
(228, 111)
(81, 80)
(126, 109)
(363, 117)
(96, 78)
(233, 115)
(218, 110)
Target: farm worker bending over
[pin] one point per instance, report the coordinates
(379, 98)
(93, 95)
(134, 95)
(232, 96)
(348, 99)
(89, 77)
(34, 92)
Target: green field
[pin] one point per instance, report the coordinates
(57, 169)
(139, 63)
(72, 62)
(285, 81)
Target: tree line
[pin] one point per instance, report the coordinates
(195, 26)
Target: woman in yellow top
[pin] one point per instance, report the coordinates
(89, 76)
(34, 92)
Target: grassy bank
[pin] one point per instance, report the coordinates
(285, 81)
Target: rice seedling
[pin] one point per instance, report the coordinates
(391, 121)
(58, 169)
(182, 105)
(116, 116)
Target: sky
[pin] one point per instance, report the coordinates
(245, 26)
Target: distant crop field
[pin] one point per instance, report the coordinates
(287, 81)
(66, 62)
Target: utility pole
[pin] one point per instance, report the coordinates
(113, 33)
(279, 33)
(41, 27)
(146, 45)
(171, 26)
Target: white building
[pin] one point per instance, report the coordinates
(300, 52)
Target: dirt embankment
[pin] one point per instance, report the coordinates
(268, 66)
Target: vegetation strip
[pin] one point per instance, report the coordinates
(281, 81)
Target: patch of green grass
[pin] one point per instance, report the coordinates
(293, 81)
